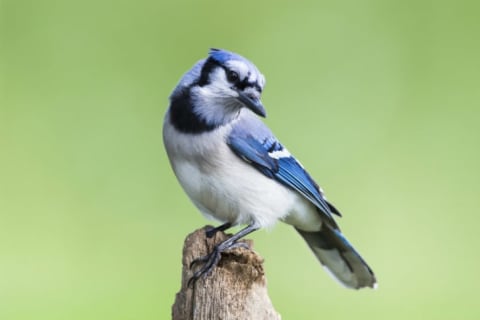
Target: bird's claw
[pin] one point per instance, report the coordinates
(212, 259)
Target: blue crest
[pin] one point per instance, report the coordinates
(222, 56)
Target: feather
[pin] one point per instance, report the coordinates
(253, 142)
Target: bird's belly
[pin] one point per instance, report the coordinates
(233, 191)
(226, 188)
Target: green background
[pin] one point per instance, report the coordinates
(378, 99)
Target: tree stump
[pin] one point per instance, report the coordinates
(236, 288)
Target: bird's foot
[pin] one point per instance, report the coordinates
(212, 231)
(211, 260)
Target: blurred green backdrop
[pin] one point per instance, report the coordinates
(379, 100)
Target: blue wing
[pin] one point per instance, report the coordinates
(255, 144)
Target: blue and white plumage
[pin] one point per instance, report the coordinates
(235, 171)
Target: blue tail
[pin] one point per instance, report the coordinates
(339, 257)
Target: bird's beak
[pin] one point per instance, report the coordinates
(252, 102)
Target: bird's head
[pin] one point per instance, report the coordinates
(220, 86)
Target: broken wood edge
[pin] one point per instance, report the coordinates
(236, 288)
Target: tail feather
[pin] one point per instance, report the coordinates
(339, 257)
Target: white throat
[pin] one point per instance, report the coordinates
(215, 106)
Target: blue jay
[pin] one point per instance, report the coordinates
(236, 172)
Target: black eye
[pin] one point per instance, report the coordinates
(232, 76)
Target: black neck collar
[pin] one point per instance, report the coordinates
(184, 118)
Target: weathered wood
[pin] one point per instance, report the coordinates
(236, 288)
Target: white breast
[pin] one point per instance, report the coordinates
(222, 185)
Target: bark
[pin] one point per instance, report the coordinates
(236, 288)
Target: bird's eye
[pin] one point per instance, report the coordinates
(232, 76)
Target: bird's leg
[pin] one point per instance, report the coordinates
(211, 232)
(212, 259)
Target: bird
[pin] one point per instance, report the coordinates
(236, 172)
